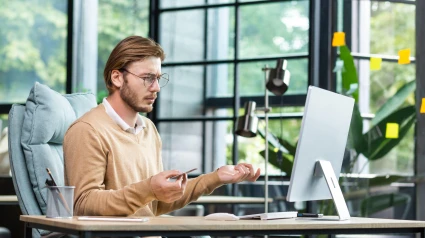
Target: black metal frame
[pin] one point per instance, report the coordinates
(69, 46)
(154, 34)
(113, 233)
(420, 124)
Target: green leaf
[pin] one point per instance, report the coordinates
(355, 136)
(291, 148)
(394, 102)
(349, 74)
(100, 95)
(285, 165)
(384, 180)
(376, 203)
(279, 143)
(378, 146)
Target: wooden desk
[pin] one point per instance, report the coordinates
(13, 199)
(195, 226)
(230, 200)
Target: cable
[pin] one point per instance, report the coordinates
(279, 154)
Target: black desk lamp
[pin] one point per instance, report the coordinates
(277, 81)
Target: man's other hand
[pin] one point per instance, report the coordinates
(166, 190)
(238, 173)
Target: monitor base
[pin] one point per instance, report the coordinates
(324, 168)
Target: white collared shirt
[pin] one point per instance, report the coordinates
(140, 124)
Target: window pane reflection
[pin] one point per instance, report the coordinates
(182, 37)
(184, 94)
(284, 28)
(183, 144)
(252, 82)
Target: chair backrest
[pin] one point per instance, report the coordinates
(36, 133)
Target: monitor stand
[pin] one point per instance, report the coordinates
(324, 168)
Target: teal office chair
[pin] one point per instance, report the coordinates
(36, 133)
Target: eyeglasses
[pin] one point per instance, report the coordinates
(148, 80)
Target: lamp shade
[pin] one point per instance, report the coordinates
(248, 123)
(278, 78)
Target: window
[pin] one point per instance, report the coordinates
(215, 54)
(117, 20)
(33, 47)
(380, 29)
(370, 21)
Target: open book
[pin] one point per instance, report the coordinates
(270, 215)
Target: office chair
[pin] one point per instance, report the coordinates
(36, 132)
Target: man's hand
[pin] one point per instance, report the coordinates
(238, 173)
(166, 190)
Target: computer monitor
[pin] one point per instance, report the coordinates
(320, 150)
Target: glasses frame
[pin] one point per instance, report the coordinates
(163, 76)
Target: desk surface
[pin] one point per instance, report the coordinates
(231, 200)
(12, 199)
(159, 224)
(8, 199)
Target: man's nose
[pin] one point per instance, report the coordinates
(155, 86)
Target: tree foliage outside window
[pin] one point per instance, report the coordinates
(33, 36)
(283, 30)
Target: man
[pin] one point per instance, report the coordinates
(113, 155)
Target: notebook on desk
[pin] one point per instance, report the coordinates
(270, 215)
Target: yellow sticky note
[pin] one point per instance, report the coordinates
(404, 56)
(392, 131)
(338, 39)
(375, 63)
(423, 105)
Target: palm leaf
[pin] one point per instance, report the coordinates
(376, 203)
(279, 143)
(349, 74)
(394, 102)
(285, 165)
(355, 136)
(384, 180)
(291, 148)
(376, 147)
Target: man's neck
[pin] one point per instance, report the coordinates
(122, 109)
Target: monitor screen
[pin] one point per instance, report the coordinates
(323, 136)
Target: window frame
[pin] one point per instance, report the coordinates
(236, 102)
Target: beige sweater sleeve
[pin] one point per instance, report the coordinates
(85, 168)
(204, 184)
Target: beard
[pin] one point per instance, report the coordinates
(130, 97)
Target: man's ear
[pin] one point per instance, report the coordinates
(117, 78)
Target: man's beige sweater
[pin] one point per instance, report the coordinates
(111, 169)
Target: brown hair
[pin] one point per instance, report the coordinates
(132, 48)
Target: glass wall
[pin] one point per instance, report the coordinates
(376, 32)
(117, 19)
(371, 20)
(215, 55)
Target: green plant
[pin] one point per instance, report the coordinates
(373, 144)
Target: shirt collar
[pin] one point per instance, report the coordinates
(140, 123)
